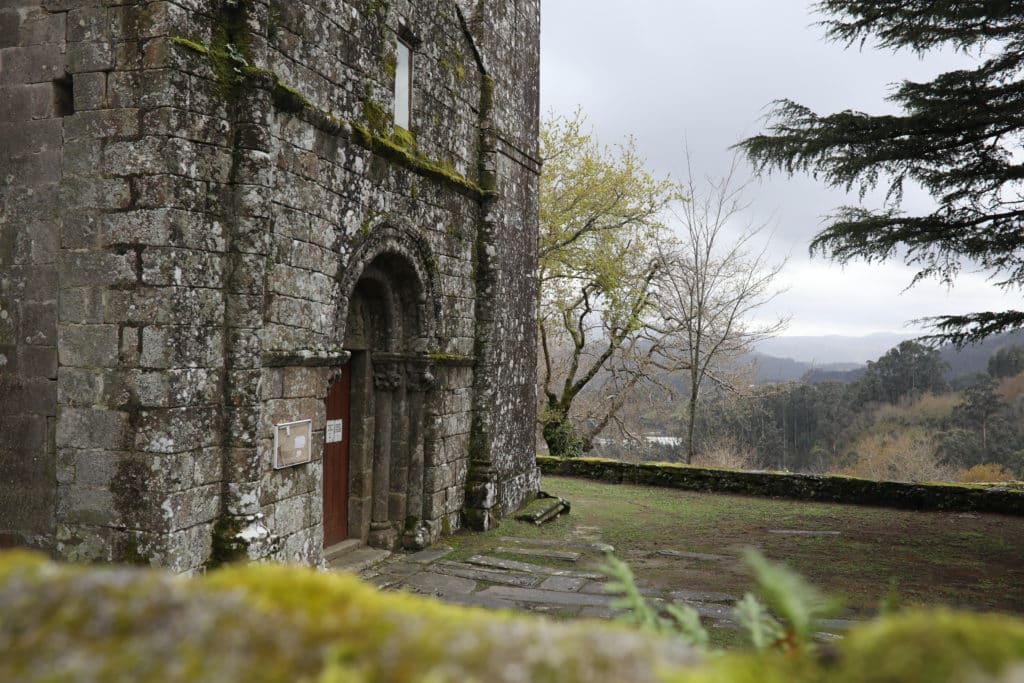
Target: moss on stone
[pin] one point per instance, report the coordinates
(275, 623)
(226, 546)
(190, 44)
(287, 98)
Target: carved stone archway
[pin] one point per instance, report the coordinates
(388, 327)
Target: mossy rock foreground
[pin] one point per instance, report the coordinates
(276, 623)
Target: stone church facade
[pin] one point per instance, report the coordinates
(266, 274)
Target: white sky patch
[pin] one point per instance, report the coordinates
(824, 298)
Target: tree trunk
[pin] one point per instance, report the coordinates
(559, 433)
(694, 388)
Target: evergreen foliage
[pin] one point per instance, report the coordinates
(956, 137)
(1007, 362)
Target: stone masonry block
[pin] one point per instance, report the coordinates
(30, 396)
(87, 268)
(26, 102)
(38, 361)
(31, 64)
(90, 90)
(89, 346)
(90, 56)
(42, 28)
(180, 347)
(92, 428)
(39, 324)
(106, 123)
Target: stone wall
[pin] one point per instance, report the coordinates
(1001, 498)
(229, 179)
(34, 98)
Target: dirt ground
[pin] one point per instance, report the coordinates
(680, 540)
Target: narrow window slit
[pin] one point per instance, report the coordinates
(64, 96)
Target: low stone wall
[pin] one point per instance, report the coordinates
(1005, 499)
(267, 622)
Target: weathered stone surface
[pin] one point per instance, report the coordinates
(563, 583)
(545, 597)
(563, 555)
(687, 555)
(430, 554)
(468, 571)
(513, 565)
(186, 263)
(439, 584)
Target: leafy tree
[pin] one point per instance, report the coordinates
(602, 220)
(957, 137)
(1007, 362)
(904, 372)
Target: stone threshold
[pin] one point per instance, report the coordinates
(352, 555)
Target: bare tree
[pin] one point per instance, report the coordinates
(718, 276)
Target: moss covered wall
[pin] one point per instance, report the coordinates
(1005, 499)
(275, 623)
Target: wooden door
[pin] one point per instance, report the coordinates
(336, 443)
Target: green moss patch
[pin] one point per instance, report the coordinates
(276, 623)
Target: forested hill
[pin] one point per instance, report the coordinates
(770, 369)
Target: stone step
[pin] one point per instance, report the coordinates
(353, 557)
(335, 551)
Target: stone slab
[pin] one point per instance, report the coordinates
(838, 624)
(508, 578)
(593, 612)
(358, 560)
(430, 554)
(543, 597)
(711, 610)
(687, 555)
(802, 532)
(702, 596)
(478, 600)
(439, 584)
(570, 584)
(562, 555)
(399, 568)
(514, 565)
(553, 542)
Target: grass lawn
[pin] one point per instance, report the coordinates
(960, 559)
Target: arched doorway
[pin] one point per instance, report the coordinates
(386, 383)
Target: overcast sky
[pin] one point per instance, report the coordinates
(667, 71)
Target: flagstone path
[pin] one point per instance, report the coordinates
(546, 580)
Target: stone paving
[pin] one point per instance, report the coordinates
(558, 586)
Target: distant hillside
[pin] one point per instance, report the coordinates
(974, 359)
(801, 366)
(824, 350)
(770, 369)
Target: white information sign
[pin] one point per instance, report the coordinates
(334, 431)
(293, 443)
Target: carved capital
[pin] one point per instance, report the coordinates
(387, 377)
(420, 378)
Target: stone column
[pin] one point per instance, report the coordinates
(420, 382)
(386, 382)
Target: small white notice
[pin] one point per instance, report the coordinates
(334, 431)
(292, 443)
